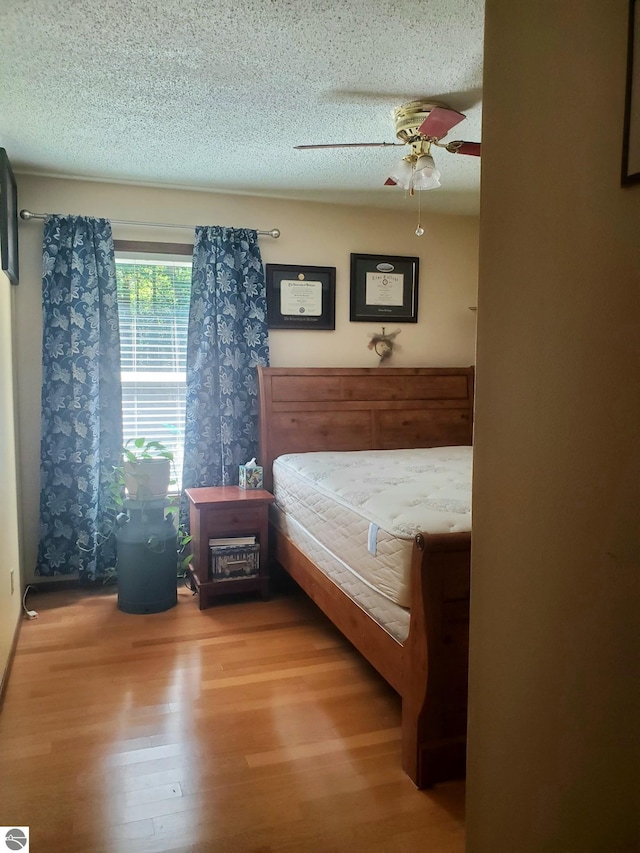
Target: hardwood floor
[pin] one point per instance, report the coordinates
(250, 726)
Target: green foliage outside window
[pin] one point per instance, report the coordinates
(154, 305)
(154, 290)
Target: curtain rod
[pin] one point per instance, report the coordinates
(26, 215)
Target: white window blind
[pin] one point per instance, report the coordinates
(153, 303)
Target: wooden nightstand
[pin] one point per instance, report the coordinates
(227, 511)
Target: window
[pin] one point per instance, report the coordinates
(153, 302)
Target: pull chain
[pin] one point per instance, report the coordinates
(419, 229)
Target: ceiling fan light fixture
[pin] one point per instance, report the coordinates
(425, 164)
(427, 179)
(402, 173)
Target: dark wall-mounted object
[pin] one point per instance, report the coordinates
(8, 219)
(301, 297)
(631, 135)
(384, 287)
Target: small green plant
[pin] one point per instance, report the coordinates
(148, 466)
(184, 539)
(137, 449)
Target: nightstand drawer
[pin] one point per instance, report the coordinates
(235, 520)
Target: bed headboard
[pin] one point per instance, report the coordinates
(362, 408)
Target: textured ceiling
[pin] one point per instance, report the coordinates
(214, 95)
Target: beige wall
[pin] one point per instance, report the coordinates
(554, 716)
(10, 603)
(313, 234)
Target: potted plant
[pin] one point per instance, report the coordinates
(146, 468)
(145, 501)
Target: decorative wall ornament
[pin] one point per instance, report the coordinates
(383, 343)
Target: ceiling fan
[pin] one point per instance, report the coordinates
(420, 125)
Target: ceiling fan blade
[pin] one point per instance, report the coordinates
(439, 122)
(350, 145)
(460, 147)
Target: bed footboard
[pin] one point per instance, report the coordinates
(435, 660)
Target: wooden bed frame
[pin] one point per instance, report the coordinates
(304, 409)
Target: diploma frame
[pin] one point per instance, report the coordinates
(402, 306)
(631, 135)
(322, 302)
(8, 219)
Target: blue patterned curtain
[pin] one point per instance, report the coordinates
(81, 397)
(226, 341)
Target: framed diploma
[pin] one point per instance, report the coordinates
(301, 297)
(631, 136)
(8, 219)
(384, 287)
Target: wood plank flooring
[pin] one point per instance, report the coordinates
(250, 726)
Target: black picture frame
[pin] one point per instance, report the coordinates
(384, 287)
(631, 136)
(8, 219)
(301, 297)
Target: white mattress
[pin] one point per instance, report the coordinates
(365, 507)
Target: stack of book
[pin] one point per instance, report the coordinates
(234, 557)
